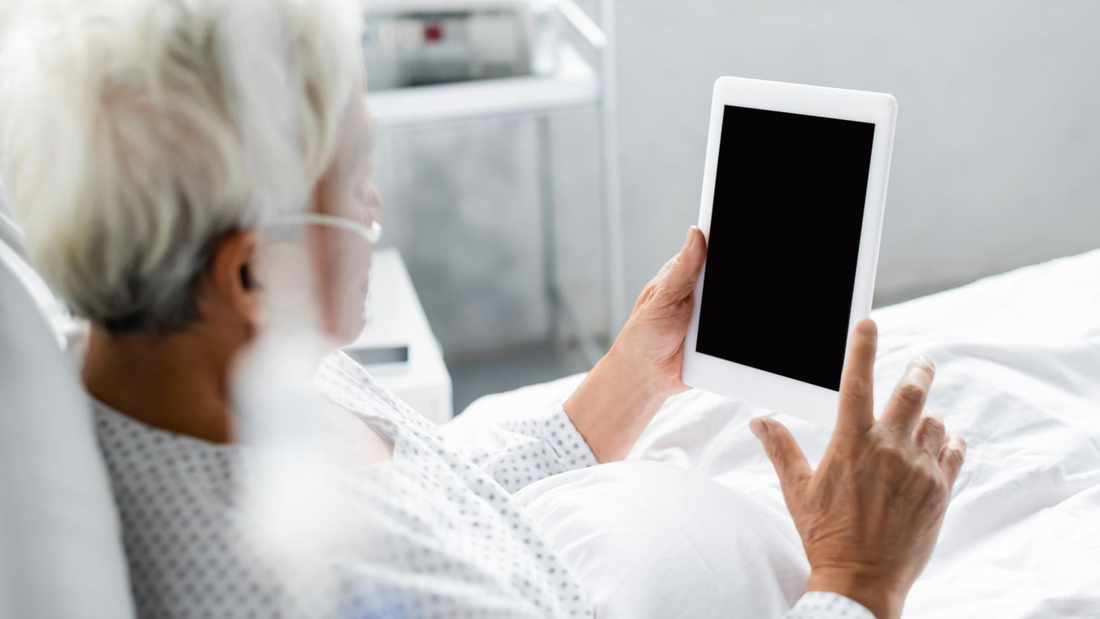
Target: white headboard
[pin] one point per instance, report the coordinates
(10, 234)
(61, 554)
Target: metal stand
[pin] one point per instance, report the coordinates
(598, 39)
(540, 99)
(560, 308)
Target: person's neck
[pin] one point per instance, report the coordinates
(175, 382)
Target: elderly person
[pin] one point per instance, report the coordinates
(138, 154)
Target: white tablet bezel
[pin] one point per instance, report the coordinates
(765, 389)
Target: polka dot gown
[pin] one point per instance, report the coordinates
(822, 605)
(440, 534)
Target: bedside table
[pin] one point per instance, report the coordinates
(397, 345)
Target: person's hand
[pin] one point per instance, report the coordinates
(627, 387)
(870, 514)
(652, 341)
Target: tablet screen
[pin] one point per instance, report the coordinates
(784, 238)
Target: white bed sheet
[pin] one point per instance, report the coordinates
(1018, 358)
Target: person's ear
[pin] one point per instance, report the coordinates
(233, 287)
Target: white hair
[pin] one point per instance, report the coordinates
(137, 133)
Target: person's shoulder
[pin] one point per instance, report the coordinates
(344, 381)
(122, 437)
(148, 465)
(337, 366)
(340, 377)
(119, 433)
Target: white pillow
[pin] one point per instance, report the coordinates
(653, 540)
(60, 545)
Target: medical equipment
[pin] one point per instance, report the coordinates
(290, 503)
(371, 234)
(424, 43)
(571, 69)
(379, 355)
(793, 196)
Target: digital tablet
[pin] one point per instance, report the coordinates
(793, 197)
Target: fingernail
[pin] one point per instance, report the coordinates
(759, 428)
(690, 240)
(924, 361)
(867, 328)
(957, 443)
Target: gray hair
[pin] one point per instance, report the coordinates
(136, 134)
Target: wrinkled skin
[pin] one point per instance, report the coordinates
(621, 394)
(869, 515)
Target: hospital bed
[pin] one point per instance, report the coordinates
(1019, 377)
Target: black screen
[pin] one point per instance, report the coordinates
(784, 240)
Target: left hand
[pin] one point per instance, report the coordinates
(621, 394)
(652, 341)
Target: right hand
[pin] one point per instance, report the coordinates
(870, 514)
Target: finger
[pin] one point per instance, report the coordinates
(907, 402)
(952, 456)
(930, 433)
(785, 454)
(857, 398)
(683, 270)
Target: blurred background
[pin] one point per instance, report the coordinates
(539, 166)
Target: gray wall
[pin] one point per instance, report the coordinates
(997, 160)
(462, 203)
(996, 165)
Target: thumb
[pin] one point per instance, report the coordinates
(785, 454)
(685, 267)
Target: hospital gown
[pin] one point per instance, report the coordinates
(438, 533)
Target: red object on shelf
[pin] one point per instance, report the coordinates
(433, 32)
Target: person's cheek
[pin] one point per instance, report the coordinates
(372, 202)
(350, 290)
(358, 284)
(347, 262)
(329, 306)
